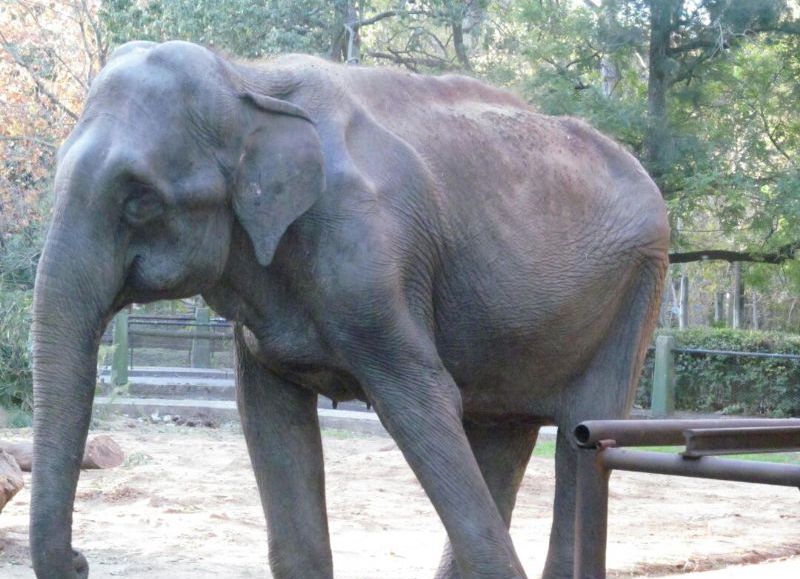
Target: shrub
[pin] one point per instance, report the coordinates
(731, 384)
(16, 382)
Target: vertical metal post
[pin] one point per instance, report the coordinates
(663, 399)
(591, 515)
(201, 343)
(119, 356)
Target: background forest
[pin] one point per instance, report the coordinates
(703, 92)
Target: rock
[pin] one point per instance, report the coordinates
(10, 478)
(101, 452)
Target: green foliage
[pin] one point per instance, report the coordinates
(16, 381)
(243, 27)
(732, 384)
(19, 255)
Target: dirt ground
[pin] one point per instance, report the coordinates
(184, 505)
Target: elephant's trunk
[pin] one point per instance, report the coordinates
(72, 304)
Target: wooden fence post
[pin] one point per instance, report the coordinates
(201, 343)
(119, 356)
(663, 399)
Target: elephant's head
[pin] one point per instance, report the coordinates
(174, 147)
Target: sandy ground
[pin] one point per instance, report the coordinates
(184, 505)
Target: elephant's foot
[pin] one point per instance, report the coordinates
(447, 565)
(558, 570)
(80, 564)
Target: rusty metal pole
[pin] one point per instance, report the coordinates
(662, 432)
(591, 515)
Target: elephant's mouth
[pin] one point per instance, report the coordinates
(144, 286)
(136, 287)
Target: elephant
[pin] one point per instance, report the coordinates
(430, 245)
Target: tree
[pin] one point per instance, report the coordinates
(417, 34)
(49, 54)
(242, 27)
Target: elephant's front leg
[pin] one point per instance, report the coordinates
(419, 404)
(281, 427)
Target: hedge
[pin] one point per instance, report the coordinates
(731, 384)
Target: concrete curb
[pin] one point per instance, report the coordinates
(225, 410)
(358, 422)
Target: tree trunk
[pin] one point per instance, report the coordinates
(662, 23)
(345, 39)
(737, 303)
(610, 75)
(101, 452)
(754, 322)
(729, 311)
(458, 42)
(665, 311)
(10, 478)
(338, 51)
(353, 54)
(719, 308)
(683, 320)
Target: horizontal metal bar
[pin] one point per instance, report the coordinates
(706, 467)
(706, 352)
(715, 441)
(191, 323)
(662, 432)
(175, 317)
(170, 334)
(736, 353)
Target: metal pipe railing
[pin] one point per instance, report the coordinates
(716, 441)
(661, 432)
(598, 457)
(749, 471)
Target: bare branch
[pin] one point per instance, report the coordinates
(693, 45)
(771, 135)
(36, 80)
(388, 14)
(87, 50)
(102, 47)
(412, 62)
(26, 138)
(779, 255)
(377, 18)
(687, 72)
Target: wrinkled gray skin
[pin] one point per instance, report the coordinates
(431, 245)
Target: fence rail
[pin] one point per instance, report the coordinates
(204, 337)
(664, 379)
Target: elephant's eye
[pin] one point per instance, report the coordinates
(143, 204)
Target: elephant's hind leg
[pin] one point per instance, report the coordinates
(502, 453)
(605, 391)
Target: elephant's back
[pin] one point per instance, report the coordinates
(541, 223)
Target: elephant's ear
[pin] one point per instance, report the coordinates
(280, 173)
